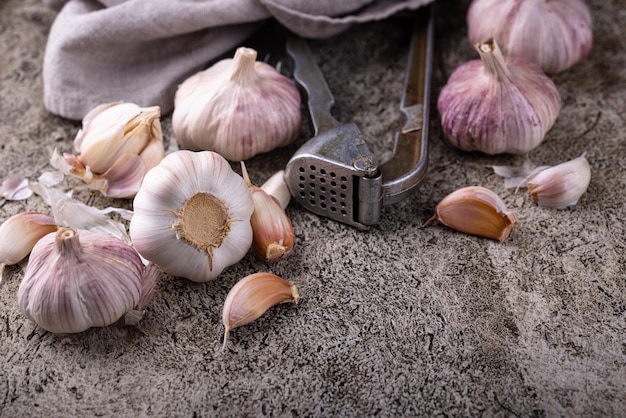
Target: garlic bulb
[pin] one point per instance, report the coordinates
(192, 215)
(476, 210)
(272, 232)
(118, 144)
(562, 185)
(77, 279)
(237, 107)
(20, 233)
(556, 34)
(252, 296)
(497, 104)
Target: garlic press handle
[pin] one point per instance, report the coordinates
(406, 168)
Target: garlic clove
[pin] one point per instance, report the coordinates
(560, 186)
(273, 235)
(555, 34)
(192, 215)
(497, 104)
(76, 279)
(20, 233)
(476, 210)
(15, 188)
(124, 177)
(252, 296)
(276, 186)
(238, 107)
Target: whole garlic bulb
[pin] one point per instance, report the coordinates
(238, 107)
(556, 34)
(192, 215)
(497, 104)
(77, 279)
(118, 144)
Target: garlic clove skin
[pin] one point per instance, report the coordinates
(20, 233)
(560, 186)
(555, 34)
(111, 134)
(477, 211)
(77, 279)
(192, 215)
(273, 235)
(15, 188)
(497, 104)
(252, 296)
(238, 107)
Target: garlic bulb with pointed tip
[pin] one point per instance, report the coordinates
(192, 215)
(556, 34)
(77, 279)
(497, 104)
(238, 107)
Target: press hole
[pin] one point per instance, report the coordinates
(333, 209)
(302, 194)
(322, 171)
(333, 200)
(312, 176)
(322, 180)
(301, 178)
(312, 185)
(312, 202)
(301, 169)
(333, 192)
(312, 168)
(322, 197)
(343, 204)
(332, 183)
(343, 178)
(323, 189)
(344, 213)
(344, 187)
(323, 205)
(301, 186)
(312, 193)
(332, 174)
(342, 195)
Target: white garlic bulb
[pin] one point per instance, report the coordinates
(118, 144)
(556, 34)
(238, 107)
(562, 185)
(77, 279)
(192, 215)
(497, 104)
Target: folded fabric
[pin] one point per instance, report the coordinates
(140, 50)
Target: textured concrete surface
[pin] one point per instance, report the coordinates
(402, 320)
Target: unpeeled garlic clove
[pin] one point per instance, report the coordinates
(476, 210)
(562, 185)
(20, 233)
(77, 279)
(118, 144)
(497, 104)
(555, 34)
(273, 235)
(238, 107)
(252, 296)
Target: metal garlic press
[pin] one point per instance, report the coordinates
(334, 174)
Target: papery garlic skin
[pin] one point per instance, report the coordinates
(555, 34)
(77, 279)
(192, 215)
(252, 296)
(476, 210)
(20, 233)
(118, 144)
(497, 104)
(560, 186)
(238, 108)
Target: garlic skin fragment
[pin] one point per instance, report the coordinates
(192, 215)
(497, 104)
(273, 235)
(118, 144)
(560, 186)
(477, 211)
(20, 233)
(252, 296)
(555, 34)
(238, 107)
(77, 279)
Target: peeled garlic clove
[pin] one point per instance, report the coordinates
(20, 233)
(476, 210)
(555, 34)
(118, 144)
(497, 104)
(237, 107)
(562, 185)
(192, 215)
(252, 296)
(273, 235)
(276, 186)
(76, 279)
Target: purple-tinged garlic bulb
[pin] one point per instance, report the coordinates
(497, 104)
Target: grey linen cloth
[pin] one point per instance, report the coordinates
(140, 50)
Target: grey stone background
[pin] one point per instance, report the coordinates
(403, 320)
